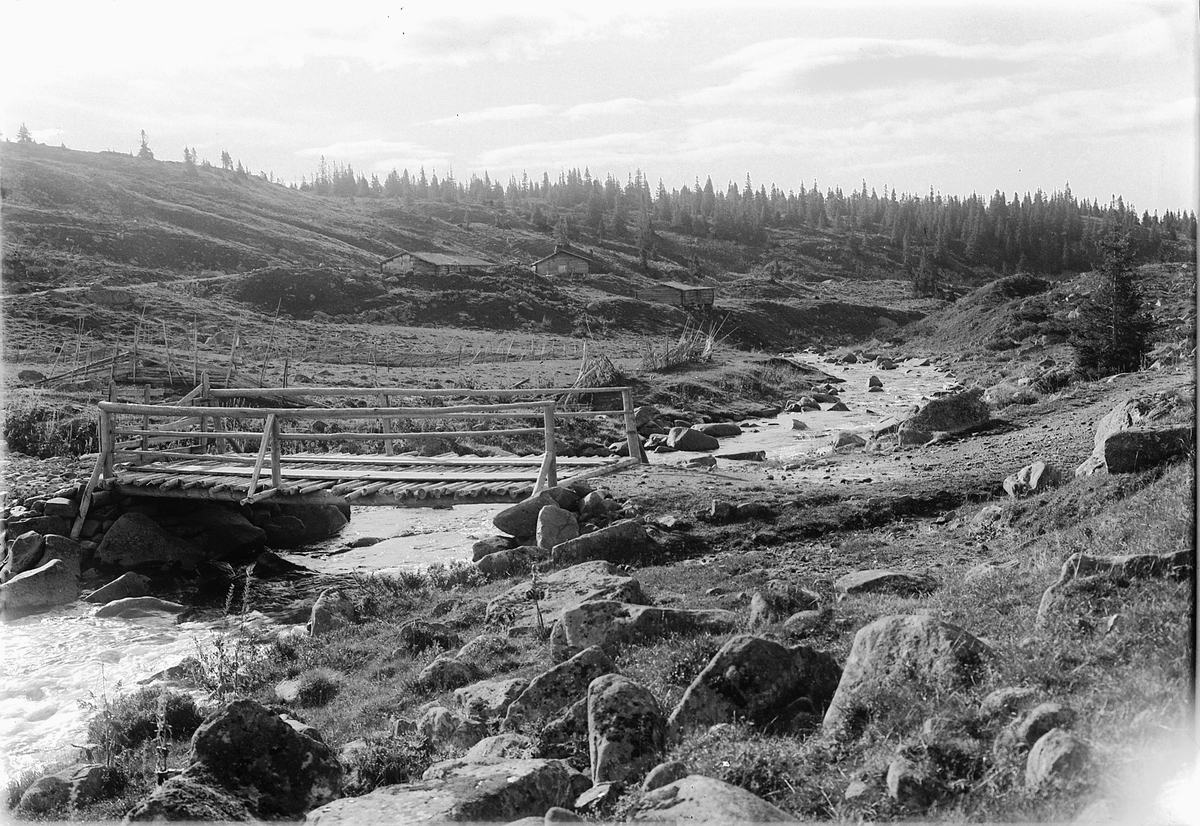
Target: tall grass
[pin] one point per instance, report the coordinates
(695, 345)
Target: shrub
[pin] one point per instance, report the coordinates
(37, 431)
(318, 686)
(387, 761)
(133, 718)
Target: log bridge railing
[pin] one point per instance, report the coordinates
(200, 447)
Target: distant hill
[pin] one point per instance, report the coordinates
(784, 275)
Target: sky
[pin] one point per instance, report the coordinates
(958, 97)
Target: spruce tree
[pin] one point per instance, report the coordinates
(1112, 332)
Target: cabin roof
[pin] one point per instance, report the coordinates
(561, 250)
(442, 259)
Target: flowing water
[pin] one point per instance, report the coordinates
(54, 665)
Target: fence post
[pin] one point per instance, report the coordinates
(146, 418)
(631, 435)
(203, 400)
(548, 475)
(388, 423)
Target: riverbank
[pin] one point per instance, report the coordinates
(815, 516)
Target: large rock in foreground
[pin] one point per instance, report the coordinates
(902, 650)
(626, 729)
(514, 609)
(248, 753)
(38, 590)
(456, 790)
(700, 799)
(771, 685)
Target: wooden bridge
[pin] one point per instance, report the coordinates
(215, 444)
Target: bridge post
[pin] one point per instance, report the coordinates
(548, 475)
(631, 435)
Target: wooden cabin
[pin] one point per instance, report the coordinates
(678, 295)
(563, 261)
(433, 263)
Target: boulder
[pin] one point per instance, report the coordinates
(598, 579)
(24, 554)
(798, 424)
(902, 649)
(610, 623)
(319, 521)
(127, 584)
(624, 541)
(490, 652)
(133, 607)
(1055, 758)
(221, 532)
(718, 430)
(960, 412)
(1140, 448)
(874, 382)
(1039, 720)
(664, 773)
(772, 686)
(489, 699)
(457, 790)
(246, 752)
(60, 506)
(838, 407)
(1083, 574)
(564, 736)
(135, 540)
(910, 784)
(555, 526)
(1032, 478)
(686, 438)
(64, 548)
(883, 580)
(45, 795)
(331, 611)
(626, 729)
(520, 520)
(700, 799)
(505, 746)
(593, 506)
(846, 440)
(779, 600)
(445, 673)
(600, 799)
(558, 687)
(190, 797)
(1007, 701)
(505, 563)
(283, 531)
(42, 588)
(438, 725)
(490, 545)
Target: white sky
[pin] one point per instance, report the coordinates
(958, 96)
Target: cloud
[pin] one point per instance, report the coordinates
(520, 111)
(605, 108)
(619, 148)
(364, 149)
